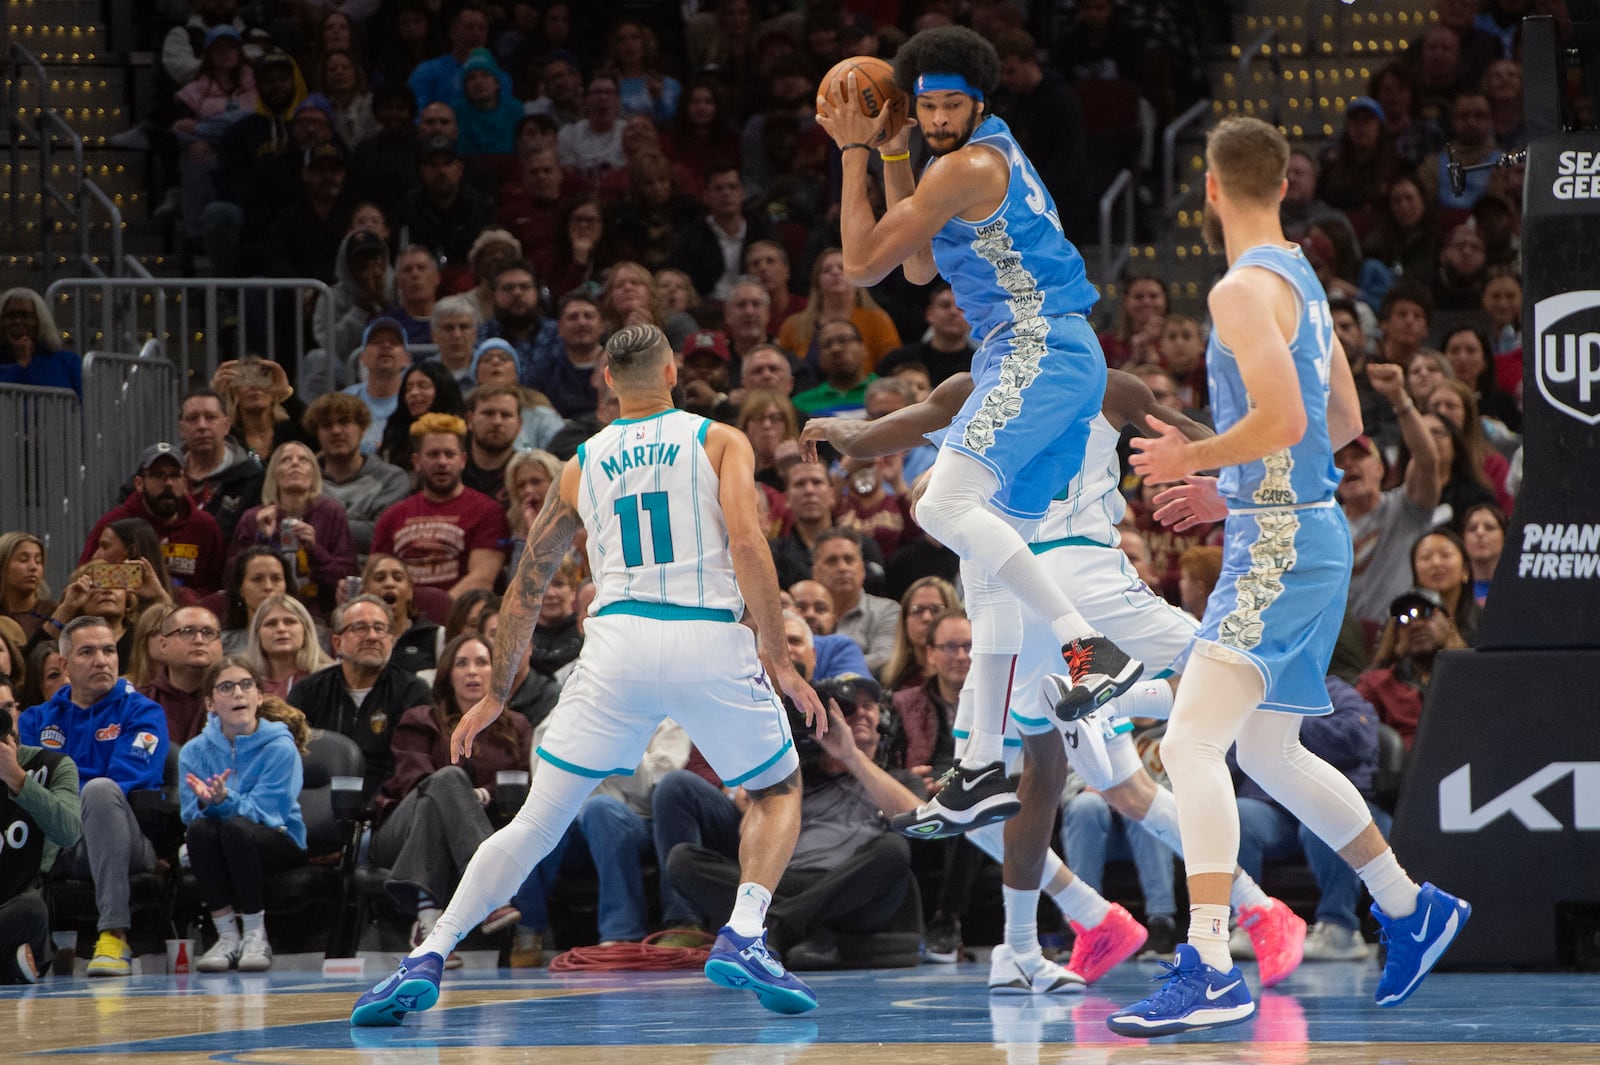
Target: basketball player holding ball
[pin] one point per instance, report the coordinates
(980, 216)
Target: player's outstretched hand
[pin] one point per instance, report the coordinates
(1194, 502)
(836, 431)
(1164, 457)
(795, 687)
(474, 721)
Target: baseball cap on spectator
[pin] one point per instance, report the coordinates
(1364, 443)
(480, 59)
(1364, 103)
(316, 101)
(330, 154)
(381, 324)
(155, 453)
(220, 31)
(1415, 603)
(364, 244)
(706, 341)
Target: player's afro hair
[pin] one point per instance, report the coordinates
(952, 49)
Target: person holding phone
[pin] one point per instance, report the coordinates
(133, 541)
(95, 589)
(240, 798)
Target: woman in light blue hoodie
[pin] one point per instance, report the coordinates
(241, 801)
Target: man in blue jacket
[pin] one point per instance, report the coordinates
(118, 739)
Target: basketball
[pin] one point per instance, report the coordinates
(875, 87)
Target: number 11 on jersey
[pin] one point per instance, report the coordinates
(627, 509)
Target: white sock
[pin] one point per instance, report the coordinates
(982, 748)
(1208, 934)
(227, 927)
(1161, 820)
(253, 922)
(1022, 919)
(1246, 892)
(1393, 891)
(505, 859)
(750, 909)
(1147, 698)
(1082, 904)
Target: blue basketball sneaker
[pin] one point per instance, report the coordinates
(1195, 996)
(1416, 942)
(743, 963)
(411, 988)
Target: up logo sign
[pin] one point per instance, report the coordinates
(1567, 332)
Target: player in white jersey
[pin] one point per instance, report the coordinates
(1078, 544)
(679, 558)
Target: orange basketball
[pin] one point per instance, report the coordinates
(875, 87)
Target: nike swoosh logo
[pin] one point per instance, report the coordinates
(986, 774)
(1426, 916)
(1214, 993)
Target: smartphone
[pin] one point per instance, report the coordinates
(253, 374)
(126, 575)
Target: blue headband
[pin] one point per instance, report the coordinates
(946, 82)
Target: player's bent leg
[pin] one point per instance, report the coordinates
(493, 875)
(1414, 941)
(739, 958)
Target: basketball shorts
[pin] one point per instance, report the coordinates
(705, 675)
(1112, 598)
(1280, 601)
(1037, 384)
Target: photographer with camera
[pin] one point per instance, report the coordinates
(39, 815)
(849, 874)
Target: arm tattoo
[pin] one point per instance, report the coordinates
(547, 545)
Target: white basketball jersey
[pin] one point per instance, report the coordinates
(649, 500)
(1088, 509)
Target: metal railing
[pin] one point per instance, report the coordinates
(1171, 201)
(42, 472)
(46, 130)
(1113, 255)
(1264, 47)
(129, 403)
(200, 321)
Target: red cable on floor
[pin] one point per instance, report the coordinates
(634, 957)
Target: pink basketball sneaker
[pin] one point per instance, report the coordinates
(1279, 939)
(1108, 944)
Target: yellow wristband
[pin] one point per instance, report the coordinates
(895, 158)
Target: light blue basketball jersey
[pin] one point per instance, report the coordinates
(657, 536)
(1303, 473)
(1016, 264)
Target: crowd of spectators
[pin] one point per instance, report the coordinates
(490, 192)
